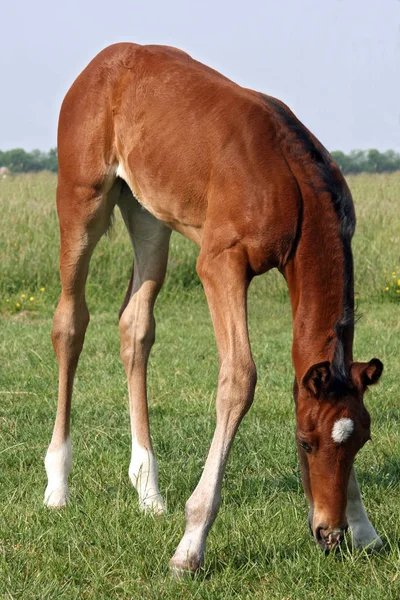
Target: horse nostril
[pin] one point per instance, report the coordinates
(335, 537)
(329, 538)
(318, 533)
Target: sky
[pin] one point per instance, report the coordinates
(336, 63)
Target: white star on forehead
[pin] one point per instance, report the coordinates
(342, 430)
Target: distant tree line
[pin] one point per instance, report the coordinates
(20, 161)
(357, 161)
(367, 161)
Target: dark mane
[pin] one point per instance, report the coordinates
(339, 385)
(330, 177)
(303, 145)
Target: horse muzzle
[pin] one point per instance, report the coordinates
(328, 538)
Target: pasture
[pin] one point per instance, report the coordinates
(101, 546)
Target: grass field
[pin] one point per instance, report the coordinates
(101, 546)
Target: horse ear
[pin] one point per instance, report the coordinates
(367, 373)
(316, 377)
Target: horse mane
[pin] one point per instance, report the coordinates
(325, 176)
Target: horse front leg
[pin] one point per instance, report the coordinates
(225, 283)
(362, 531)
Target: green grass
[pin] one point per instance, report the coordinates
(101, 546)
(29, 249)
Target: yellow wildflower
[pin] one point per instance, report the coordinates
(386, 289)
(398, 282)
(31, 298)
(42, 289)
(17, 304)
(23, 295)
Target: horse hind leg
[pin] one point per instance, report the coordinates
(150, 240)
(84, 216)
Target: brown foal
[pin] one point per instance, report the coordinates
(177, 146)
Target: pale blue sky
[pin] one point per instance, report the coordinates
(335, 62)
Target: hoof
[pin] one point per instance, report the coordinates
(56, 497)
(366, 537)
(152, 506)
(372, 545)
(185, 567)
(180, 573)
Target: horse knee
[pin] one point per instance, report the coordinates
(137, 337)
(237, 382)
(69, 328)
(248, 381)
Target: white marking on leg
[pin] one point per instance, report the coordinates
(342, 430)
(364, 534)
(202, 507)
(143, 472)
(58, 465)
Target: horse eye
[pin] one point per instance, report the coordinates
(306, 446)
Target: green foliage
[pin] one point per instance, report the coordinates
(20, 161)
(367, 161)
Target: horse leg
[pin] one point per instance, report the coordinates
(363, 533)
(84, 215)
(225, 283)
(150, 240)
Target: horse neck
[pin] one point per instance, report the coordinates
(320, 281)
